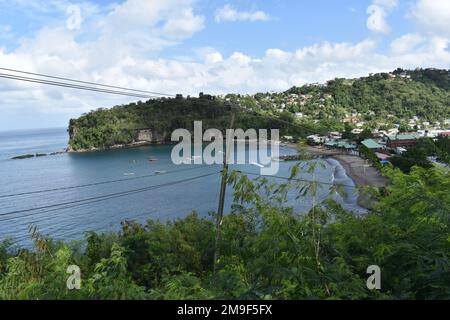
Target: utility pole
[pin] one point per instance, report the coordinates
(223, 187)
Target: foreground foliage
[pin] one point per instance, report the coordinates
(268, 250)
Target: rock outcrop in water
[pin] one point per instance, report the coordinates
(36, 155)
(25, 156)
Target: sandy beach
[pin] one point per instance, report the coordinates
(358, 169)
(361, 172)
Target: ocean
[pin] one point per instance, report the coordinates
(141, 190)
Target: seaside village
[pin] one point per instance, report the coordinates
(384, 143)
(383, 133)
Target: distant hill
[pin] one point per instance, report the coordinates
(122, 125)
(394, 97)
(403, 93)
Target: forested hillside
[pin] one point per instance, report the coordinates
(379, 100)
(107, 127)
(404, 94)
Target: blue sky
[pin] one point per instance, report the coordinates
(215, 46)
(291, 24)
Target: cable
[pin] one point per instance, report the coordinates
(87, 82)
(73, 86)
(97, 183)
(36, 80)
(103, 199)
(106, 196)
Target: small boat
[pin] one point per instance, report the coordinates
(160, 172)
(129, 174)
(152, 159)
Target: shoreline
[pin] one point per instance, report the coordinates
(356, 168)
(119, 146)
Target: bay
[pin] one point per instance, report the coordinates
(166, 198)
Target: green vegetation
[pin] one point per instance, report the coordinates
(377, 101)
(418, 156)
(425, 93)
(104, 128)
(370, 156)
(268, 250)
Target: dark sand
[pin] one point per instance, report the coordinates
(358, 169)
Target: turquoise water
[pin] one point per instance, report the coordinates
(70, 221)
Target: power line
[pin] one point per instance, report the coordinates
(86, 82)
(97, 183)
(73, 86)
(106, 196)
(86, 88)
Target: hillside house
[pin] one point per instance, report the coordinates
(372, 145)
(402, 140)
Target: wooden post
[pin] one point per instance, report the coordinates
(223, 187)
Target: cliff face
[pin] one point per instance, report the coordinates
(152, 136)
(150, 122)
(140, 137)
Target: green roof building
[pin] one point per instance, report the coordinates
(372, 144)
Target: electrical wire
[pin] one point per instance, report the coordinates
(73, 86)
(98, 183)
(100, 200)
(106, 196)
(86, 82)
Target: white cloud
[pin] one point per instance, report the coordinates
(184, 25)
(406, 43)
(378, 12)
(433, 16)
(213, 58)
(113, 48)
(121, 47)
(229, 14)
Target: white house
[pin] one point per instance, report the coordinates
(357, 131)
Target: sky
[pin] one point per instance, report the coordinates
(211, 46)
